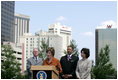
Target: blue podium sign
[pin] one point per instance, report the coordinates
(41, 75)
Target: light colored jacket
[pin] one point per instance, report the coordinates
(83, 69)
(32, 61)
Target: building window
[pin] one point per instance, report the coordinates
(18, 58)
(30, 38)
(14, 51)
(19, 53)
(27, 39)
(51, 29)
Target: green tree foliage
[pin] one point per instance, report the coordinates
(10, 67)
(103, 68)
(74, 47)
(92, 75)
(44, 46)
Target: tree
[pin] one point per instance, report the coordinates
(74, 47)
(10, 67)
(103, 68)
(92, 75)
(44, 46)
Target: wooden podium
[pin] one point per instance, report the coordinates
(44, 72)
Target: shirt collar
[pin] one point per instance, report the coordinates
(48, 61)
(70, 55)
(36, 57)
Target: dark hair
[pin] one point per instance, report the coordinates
(86, 52)
(71, 47)
(51, 49)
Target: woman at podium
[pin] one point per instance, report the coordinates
(51, 60)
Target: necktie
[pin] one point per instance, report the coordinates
(68, 57)
(36, 59)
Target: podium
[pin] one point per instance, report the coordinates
(44, 72)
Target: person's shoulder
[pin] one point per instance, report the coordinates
(75, 57)
(88, 60)
(63, 57)
(29, 59)
(40, 58)
(55, 59)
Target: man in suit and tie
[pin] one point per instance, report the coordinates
(69, 63)
(35, 60)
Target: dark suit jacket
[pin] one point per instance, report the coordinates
(69, 67)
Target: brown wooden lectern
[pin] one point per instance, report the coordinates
(44, 72)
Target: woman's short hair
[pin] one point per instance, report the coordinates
(86, 52)
(51, 49)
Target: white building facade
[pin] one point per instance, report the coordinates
(29, 42)
(64, 33)
(58, 36)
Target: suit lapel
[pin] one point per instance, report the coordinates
(72, 57)
(66, 58)
(34, 61)
(38, 60)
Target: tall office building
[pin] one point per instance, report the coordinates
(22, 25)
(7, 20)
(107, 36)
(58, 36)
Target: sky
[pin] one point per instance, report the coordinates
(82, 16)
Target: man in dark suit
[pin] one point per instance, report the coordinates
(69, 63)
(35, 60)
